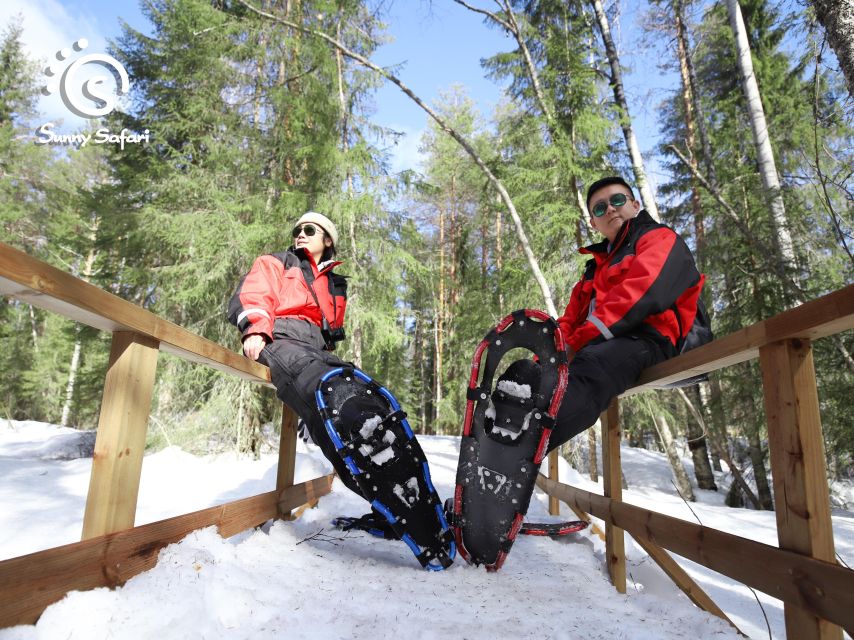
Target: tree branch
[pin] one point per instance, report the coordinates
(444, 126)
(488, 14)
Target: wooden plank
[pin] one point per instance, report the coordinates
(689, 587)
(47, 287)
(801, 493)
(826, 589)
(554, 503)
(305, 493)
(120, 441)
(30, 583)
(818, 318)
(287, 453)
(615, 548)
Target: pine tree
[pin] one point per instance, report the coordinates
(742, 256)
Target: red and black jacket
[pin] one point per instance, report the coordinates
(277, 287)
(637, 286)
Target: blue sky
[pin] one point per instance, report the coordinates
(439, 44)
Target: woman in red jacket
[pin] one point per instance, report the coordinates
(289, 309)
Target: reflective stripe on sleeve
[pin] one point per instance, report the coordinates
(605, 331)
(248, 311)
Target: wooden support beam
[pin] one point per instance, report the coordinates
(30, 583)
(287, 453)
(612, 474)
(798, 467)
(554, 503)
(305, 493)
(825, 589)
(120, 442)
(695, 592)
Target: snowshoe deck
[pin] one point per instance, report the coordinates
(372, 436)
(505, 434)
(552, 529)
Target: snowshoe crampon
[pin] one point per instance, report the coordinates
(506, 434)
(372, 436)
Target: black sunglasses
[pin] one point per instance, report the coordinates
(308, 229)
(617, 200)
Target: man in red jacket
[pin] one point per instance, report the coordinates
(634, 306)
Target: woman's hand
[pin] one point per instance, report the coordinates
(253, 345)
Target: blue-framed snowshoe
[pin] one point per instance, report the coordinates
(373, 437)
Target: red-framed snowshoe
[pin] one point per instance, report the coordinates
(506, 434)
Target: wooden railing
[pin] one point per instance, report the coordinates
(113, 549)
(818, 593)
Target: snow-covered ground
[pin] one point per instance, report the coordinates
(304, 579)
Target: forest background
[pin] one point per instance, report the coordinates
(256, 117)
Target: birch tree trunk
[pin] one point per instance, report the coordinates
(74, 366)
(499, 260)
(625, 117)
(591, 453)
(837, 18)
(72, 379)
(682, 481)
(688, 108)
(439, 323)
(759, 127)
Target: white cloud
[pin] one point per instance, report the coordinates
(405, 154)
(49, 26)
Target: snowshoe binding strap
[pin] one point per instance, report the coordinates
(372, 523)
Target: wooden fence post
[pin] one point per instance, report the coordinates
(615, 549)
(120, 443)
(287, 453)
(801, 494)
(554, 503)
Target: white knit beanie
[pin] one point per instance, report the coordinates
(321, 221)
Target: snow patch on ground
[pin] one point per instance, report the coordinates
(30, 439)
(305, 579)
